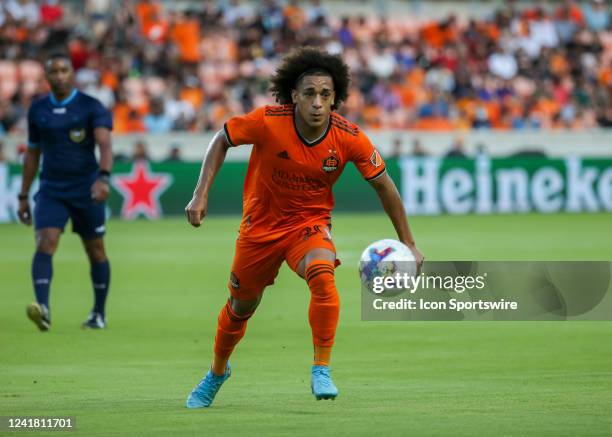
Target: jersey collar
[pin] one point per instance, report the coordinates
(65, 101)
(304, 140)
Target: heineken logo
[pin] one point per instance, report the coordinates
(484, 186)
(141, 190)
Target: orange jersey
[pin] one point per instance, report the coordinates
(289, 181)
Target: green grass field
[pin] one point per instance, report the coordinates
(435, 378)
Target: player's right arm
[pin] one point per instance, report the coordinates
(244, 129)
(214, 157)
(30, 168)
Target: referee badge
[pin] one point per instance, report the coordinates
(77, 135)
(331, 163)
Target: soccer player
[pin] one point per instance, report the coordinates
(299, 150)
(64, 127)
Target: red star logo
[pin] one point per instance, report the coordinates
(141, 190)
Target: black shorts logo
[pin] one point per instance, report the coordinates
(234, 281)
(331, 163)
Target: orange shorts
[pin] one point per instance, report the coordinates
(256, 264)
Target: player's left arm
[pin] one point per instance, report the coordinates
(102, 123)
(392, 203)
(372, 167)
(101, 189)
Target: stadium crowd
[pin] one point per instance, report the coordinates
(161, 69)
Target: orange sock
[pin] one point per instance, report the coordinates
(230, 330)
(324, 308)
(322, 356)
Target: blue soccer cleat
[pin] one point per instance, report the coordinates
(204, 393)
(321, 383)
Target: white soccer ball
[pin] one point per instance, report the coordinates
(386, 258)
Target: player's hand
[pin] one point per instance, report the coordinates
(24, 213)
(100, 191)
(196, 210)
(418, 256)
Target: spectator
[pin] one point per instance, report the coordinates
(396, 147)
(417, 148)
(51, 12)
(134, 122)
(189, 70)
(140, 152)
(175, 153)
(316, 13)
(24, 11)
(382, 63)
(481, 150)
(503, 64)
(456, 149)
(185, 34)
(596, 15)
(157, 122)
(95, 88)
(235, 13)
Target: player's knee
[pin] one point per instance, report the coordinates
(95, 251)
(315, 256)
(47, 243)
(321, 280)
(243, 309)
(97, 256)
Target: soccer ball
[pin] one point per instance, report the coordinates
(385, 258)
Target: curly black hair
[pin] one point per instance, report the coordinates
(310, 60)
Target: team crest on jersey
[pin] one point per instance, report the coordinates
(331, 163)
(77, 135)
(375, 159)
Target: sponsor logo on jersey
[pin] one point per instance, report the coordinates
(375, 159)
(77, 135)
(296, 181)
(331, 163)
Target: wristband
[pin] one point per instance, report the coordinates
(104, 176)
(22, 197)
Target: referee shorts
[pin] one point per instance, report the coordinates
(88, 217)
